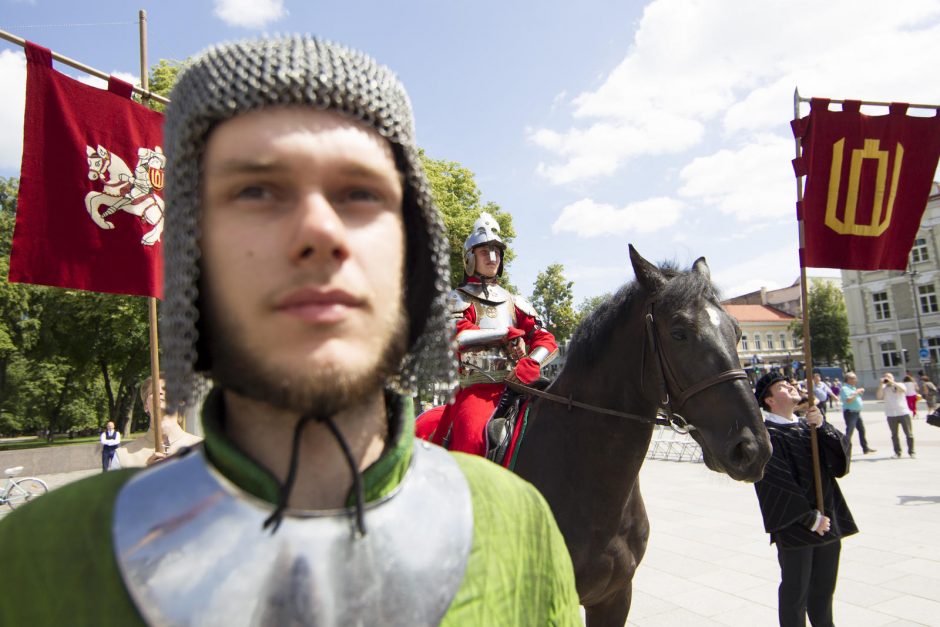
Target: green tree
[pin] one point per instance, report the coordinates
(458, 199)
(588, 305)
(553, 299)
(69, 360)
(828, 324)
(162, 78)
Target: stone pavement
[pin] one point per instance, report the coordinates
(709, 561)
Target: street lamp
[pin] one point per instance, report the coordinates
(927, 367)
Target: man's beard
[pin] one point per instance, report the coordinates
(242, 368)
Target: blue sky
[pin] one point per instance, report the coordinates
(664, 124)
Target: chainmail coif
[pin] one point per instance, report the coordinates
(233, 79)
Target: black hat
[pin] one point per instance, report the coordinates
(762, 387)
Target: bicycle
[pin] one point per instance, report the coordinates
(16, 492)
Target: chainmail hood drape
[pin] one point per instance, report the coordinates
(233, 79)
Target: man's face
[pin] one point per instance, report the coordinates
(851, 380)
(109, 426)
(303, 249)
(816, 378)
(487, 260)
(783, 398)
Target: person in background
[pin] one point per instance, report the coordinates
(808, 541)
(930, 392)
(897, 412)
(911, 390)
(110, 441)
(852, 404)
(822, 392)
(836, 387)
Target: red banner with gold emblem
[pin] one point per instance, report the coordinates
(867, 182)
(90, 210)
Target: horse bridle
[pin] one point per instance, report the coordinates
(667, 381)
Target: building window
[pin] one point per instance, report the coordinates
(882, 309)
(933, 344)
(744, 342)
(757, 341)
(919, 251)
(890, 357)
(928, 299)
(770, 342)
(783, 341)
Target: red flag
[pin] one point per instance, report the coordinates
(90, 211)
(867, 182)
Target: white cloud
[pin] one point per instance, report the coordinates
(100, 83)
(13, 86)
(734, 65)
(587, 218)
(754, 182)
(775, 268)
(249, 13)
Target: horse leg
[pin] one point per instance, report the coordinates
(93, 202)
(612, 611)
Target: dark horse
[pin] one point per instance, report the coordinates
(663, 341)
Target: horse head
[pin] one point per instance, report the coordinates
(98, 162)
(694, 369)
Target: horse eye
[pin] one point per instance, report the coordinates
(678, 334)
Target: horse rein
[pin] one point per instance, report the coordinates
(667, 379)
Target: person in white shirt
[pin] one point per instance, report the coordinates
(897, 412)
(110, 441)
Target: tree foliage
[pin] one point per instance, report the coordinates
(553, 299)
(161, 80)
(69, 360)
(458, 199)
(828, 324)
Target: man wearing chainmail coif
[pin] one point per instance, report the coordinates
(296, 205)
(500, 339)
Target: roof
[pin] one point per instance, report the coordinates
(758, 313)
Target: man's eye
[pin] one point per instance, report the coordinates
(363, 195)
(253, 192)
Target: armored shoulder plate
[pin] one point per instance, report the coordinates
(526, 307)
(457, 303)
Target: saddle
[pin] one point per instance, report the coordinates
(502, 424)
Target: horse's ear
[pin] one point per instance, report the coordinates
(89, 151)
(102, 152)
(649, 276)
(701, 266)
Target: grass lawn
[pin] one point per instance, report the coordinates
(61, 440)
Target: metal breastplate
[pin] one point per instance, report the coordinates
(191, 550)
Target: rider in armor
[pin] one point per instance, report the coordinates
(499, 339)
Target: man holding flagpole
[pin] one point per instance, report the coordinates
(296, 207)
(808, 541)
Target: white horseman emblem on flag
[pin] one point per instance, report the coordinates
(134, 192)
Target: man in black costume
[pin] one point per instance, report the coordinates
(808, 541)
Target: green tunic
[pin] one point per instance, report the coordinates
(58, 567)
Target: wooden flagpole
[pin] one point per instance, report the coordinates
(156, 414)
(19, 41)
(807, 349)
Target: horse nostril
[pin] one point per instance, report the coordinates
(744, 452)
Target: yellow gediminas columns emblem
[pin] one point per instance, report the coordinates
(881, 211)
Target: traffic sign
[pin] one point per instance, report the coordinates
(924, 355)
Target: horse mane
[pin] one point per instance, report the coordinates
(592, 336)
